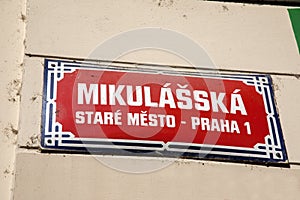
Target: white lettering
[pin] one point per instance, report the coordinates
(88, 94)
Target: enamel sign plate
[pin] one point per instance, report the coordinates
(101, 109)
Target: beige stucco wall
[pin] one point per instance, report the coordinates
(11, 58)
(237, 37)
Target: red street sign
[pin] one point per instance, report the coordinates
(104, 109)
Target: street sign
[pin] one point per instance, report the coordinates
(104, 109)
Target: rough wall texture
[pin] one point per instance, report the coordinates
(12, 21)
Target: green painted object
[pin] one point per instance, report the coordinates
(295, 20)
